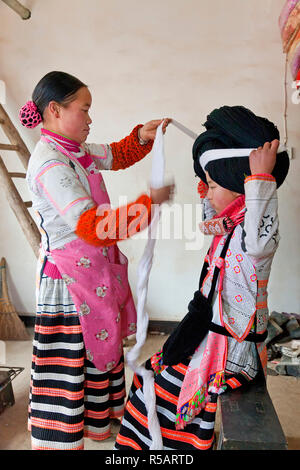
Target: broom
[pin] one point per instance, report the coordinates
(11, 326)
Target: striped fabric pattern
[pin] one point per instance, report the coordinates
(69, 398)
(198, 435)
(242, 357)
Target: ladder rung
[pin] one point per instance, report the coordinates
(9, 147)
(28, 204)
(17, 175)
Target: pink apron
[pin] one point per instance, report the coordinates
(97, 280)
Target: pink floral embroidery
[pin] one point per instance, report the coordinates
(110, 365)
(68, 280)
(84, 309)
(239, 257)
(238, 298)
(84, 261)
(219, 262)
(237, 269)
(89, 355)
(101, 291)
(103, 335)
(132, 327)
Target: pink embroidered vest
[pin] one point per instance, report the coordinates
(97, 279)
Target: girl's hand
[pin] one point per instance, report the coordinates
(263, 159)
(148, 131)
(160, 195)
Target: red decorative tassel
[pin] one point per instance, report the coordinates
(202, 189)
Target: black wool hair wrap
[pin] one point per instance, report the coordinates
(236, 127)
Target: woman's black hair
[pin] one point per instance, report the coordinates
(55, 86)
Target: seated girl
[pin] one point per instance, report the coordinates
(240, 167)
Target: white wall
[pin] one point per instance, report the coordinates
(145, 60)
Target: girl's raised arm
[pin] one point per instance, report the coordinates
(260, 234)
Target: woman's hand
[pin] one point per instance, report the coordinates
(148, 131)
(160, 195)
(263, 159)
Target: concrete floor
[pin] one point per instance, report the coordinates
(284, 391)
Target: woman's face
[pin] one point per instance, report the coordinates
(218, 196)
(71, 120)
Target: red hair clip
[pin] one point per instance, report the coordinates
(202, 189)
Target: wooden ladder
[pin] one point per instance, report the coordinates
(19, 207)
(18, 8)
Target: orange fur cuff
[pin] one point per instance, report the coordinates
(129, 151)
(108, 226)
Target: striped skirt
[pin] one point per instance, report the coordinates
(198, 435)
(69, 398)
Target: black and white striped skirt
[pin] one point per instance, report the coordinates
(198, 435)
(134, 432)
(69, 398)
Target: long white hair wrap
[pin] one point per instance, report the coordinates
(144, 268)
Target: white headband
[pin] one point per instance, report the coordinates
(217, 154)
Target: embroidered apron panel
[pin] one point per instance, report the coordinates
(239, 287)
(97, 279)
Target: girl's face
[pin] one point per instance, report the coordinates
(218, 196)
(71, 120)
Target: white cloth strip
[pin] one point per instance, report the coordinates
(217, 154)
(144, 268)
(158, 160)
(184, 129)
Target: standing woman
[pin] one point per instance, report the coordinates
(84, 302)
